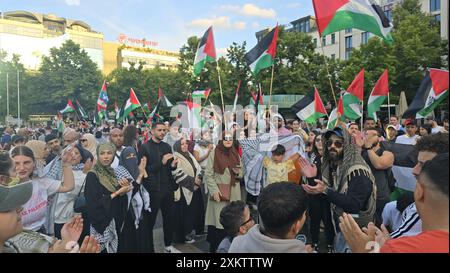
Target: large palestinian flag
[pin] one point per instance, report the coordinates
(432, 91)
(206, 52)
(353, 97)
(336, 15)
(131, 104)
(310, 108)
(378, 95)
(263, 54)
(337, 113)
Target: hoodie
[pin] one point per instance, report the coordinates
(256, 242)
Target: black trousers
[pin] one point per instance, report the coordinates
(320, 210)
(165, 202)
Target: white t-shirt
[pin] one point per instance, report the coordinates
(64, 206)
(405, 139)
(115, 163)
(34, 212)
(437, 129)
(392, 216)
(411, 223)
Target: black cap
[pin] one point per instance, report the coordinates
(50, 137)
(17, 138)
(335, 131)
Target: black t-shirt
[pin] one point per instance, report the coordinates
(381, 176)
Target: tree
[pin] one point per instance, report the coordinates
(67, 72)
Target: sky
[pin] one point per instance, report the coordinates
(171, 22)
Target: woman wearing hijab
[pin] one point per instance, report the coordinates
(221, 177)
(40, 153)
(189, 209)
(89, 143)
(108, 195)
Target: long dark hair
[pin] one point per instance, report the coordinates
(129, 136)
(6, 163)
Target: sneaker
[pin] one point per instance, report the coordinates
(171, 249)
(330, 249)
(189, 239)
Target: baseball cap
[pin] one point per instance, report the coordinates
(50, 137)
(410, 122)
(391, 127)
(13, 196)
(17, 138)
(335, 131)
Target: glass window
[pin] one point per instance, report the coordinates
(388, 14)
(307, 26)
(348, 47)
(315, 42)
(435, 5)
(324, 41)
(333, 56)
(348, 30)
(333, 39)
(364, 38)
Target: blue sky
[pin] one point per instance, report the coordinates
(171, 22)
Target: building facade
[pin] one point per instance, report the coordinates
(339, 45)
(31, 35)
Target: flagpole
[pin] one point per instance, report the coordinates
(389, 107)
(220, 86)
(271, 84)
(326, 66)
(362, 114)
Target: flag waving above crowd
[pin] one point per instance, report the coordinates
(263, 54)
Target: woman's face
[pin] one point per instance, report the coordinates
(207, 136)
(84, 142)
(228, 140)
(24, 167)
(10, 224)
(423, 131)
(46, 151)
(318, 141)
(76, 155)
(184, 146)
(311, 137)
(106, 157)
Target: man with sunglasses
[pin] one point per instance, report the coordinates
(347, 181)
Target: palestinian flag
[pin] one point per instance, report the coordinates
(194, 116)
(206, 52)
(81, 110)
(204, 94)
(432, 91)
(263, 54)
(353, 97)
(163, 99)
(102, 102)
(131, 104)
(60, 123)
(69, 108)
(310, 109)
(336, 15)
(379, 93)
(236, 96)
(337, 113)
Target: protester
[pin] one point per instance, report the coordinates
(282, 208)
(277, 168)
(89, 143)
(435, 128)
(54, 145)
(410, 136)
(393, 211)
(369, 123)
(70, 136)
(40, 152)
(346, 181)
(221, 174)
(394, 121)
(116, 138)
(236, 220)
(353, 128)
(174, 133)
(391, 134)
(425, 129)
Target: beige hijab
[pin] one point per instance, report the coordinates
(91, 144)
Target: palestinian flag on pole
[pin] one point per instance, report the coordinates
(365, 15)
(309, 108)
(336, 114)
(102, 102)
(194, 116)
(236, 96)
(131, 104)
(60, 123)
(81, 110)
(378, 95)
(353, 97)
(164, 100)
(432, 91)
(204, 94)
(206, 52)
(69, 108)
(263, 54)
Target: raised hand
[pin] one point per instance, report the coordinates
(142, 165)
(90, 245)
(71, 230)
(307, 169)
(166, 158)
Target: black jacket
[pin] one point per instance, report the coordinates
(159, 176)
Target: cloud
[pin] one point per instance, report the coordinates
(249, 10)
(222, 52)
(73, 2)
(255, 25)
(222, 22)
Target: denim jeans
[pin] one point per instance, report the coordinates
(340, 245)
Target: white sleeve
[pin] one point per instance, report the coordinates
(387, 221)
(51, 185)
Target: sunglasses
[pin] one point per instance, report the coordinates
(248, 221)
(337, 144)
(228, 138)
(83, 140)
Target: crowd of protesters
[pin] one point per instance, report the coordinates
(103, 186)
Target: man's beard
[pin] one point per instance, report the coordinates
(334, 156)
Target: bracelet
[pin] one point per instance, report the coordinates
(66, 165)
